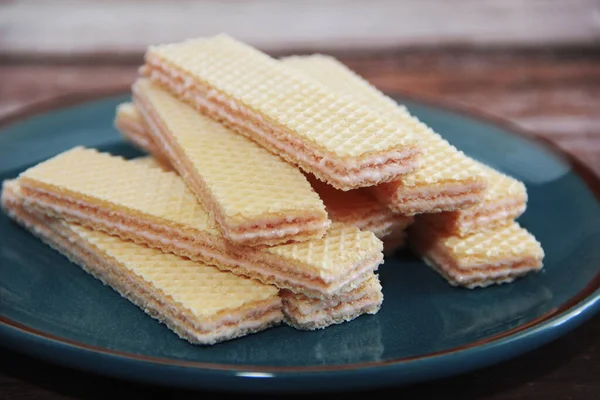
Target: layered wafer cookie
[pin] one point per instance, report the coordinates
(198, 302)
(153, 207)
(338, 140)
(360, 208)
(255, 196)
(504, 200)
(447, 179)
(481, 259)
(307, 313)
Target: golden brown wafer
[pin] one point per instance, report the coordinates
(446, 180)
(255, 197)
(342, 142)
(153, 207)
(481, 259)
(198, 302)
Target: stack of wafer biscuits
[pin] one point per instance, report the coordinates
(465, 225)
(357, 207)
(272, 190)
(195, 300)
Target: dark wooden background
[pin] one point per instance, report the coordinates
(533, 63)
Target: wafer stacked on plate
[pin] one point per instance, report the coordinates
(357, 207)
(285, 177)
(465, 226)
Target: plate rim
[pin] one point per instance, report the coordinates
(529, 336)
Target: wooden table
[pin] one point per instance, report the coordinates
(551, 92)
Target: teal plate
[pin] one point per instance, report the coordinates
(426, 329)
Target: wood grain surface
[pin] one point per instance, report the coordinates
(553, 93)
(70, 28)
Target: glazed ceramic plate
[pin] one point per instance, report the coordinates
(426, 329)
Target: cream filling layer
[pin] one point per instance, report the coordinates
(476, 274)
(501, 275)
(404, 194)
(326, 316)
(306, 305)
(485, 215)
(435, 205)
(488, 211)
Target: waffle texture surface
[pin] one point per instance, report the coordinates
(446, 179)
(343, 142)
(153, 207)
(482, 258)
(255, 196)
(197, 301)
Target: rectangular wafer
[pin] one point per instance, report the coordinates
(255, 196)
(504, 200)
(480, 259)
(341, 142)
(198, 302)
(153, 207)
(357, 207)
(307, 313)
(446, 180)
(360, 210)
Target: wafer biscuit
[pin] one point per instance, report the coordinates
(153, 207)
(446, 180)
(307, 313)
(391, 232)
(255, 197)
(198, 302)
(364, 212)
(356, 207)
(480, 259)
(504, 200)
(341, 142)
